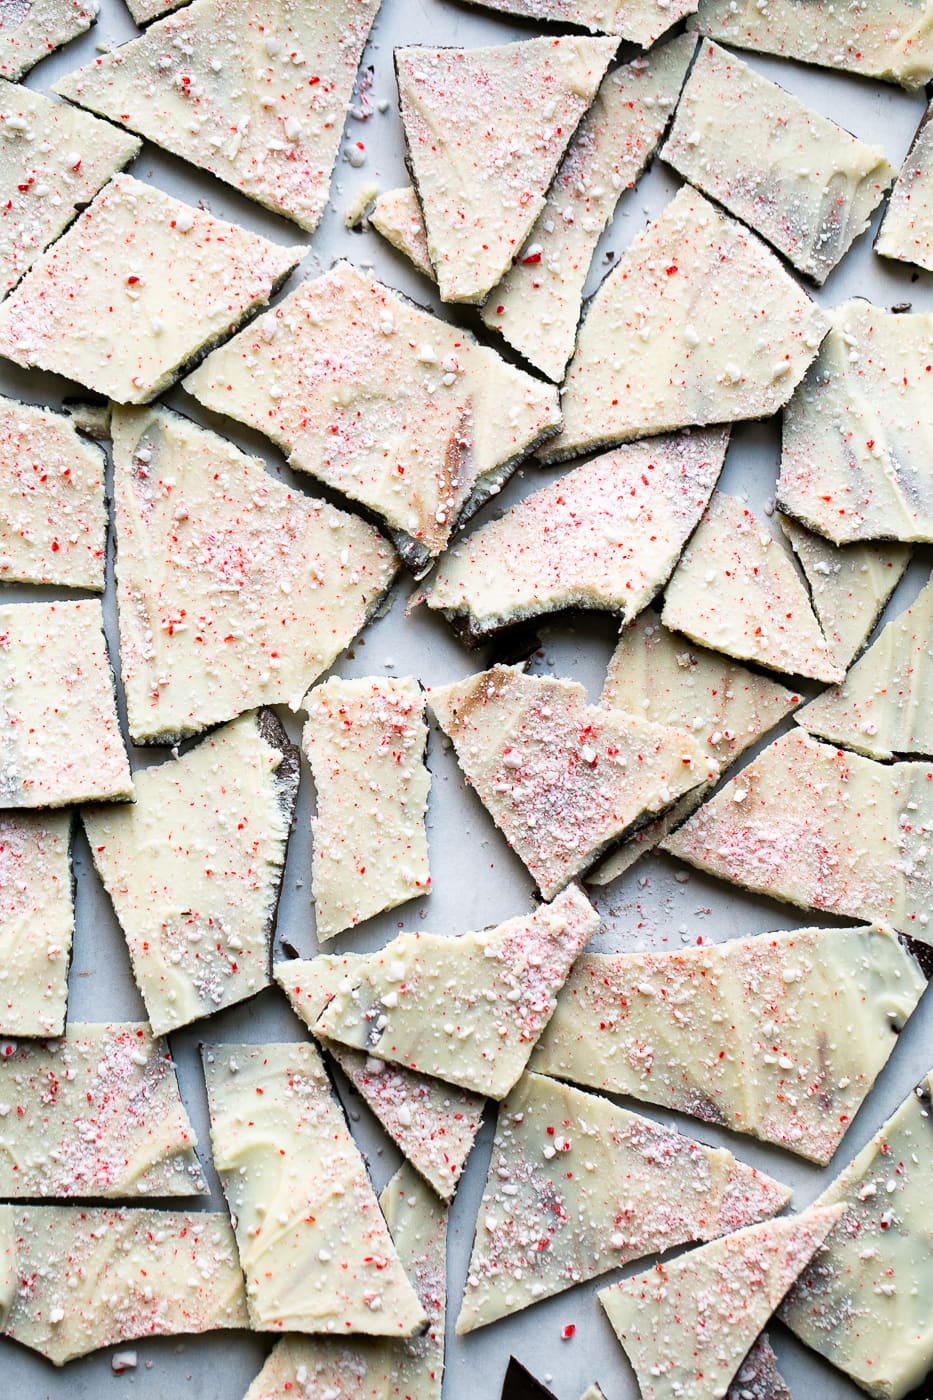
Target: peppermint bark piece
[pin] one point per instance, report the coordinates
(723, 705)
(906, 232)
(780, 1036)
(823, 829)
(53, 515)
(536, 307)
(640, 21)
(381, 400)
(233, 590)
(697, 323)
(98, 1275)
(365, 741)
(396, 214)
(95, 1114)
(758, 1377)
(194, 868)
(267, 84)
(434, 1124)
(60, 740)
(30, 31)
(615, 1187)
(857, 436)
(883, 705)
(37, 922)
(849, 585)
(605, 536)
(137, 287)
(413, 1368)
(802, 182)
(53, 160)
(736, 590)
(482, 186)
(562, 780)
(864, 1301)
(498, 989)
(686, 1326)
(314, 1247)
(888, 39)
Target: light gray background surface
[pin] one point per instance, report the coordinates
(476, 880)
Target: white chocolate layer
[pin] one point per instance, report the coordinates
(641, 21)
(495, 992)
(780, 1036)
(560, 778)
(577, 1186)
(53, 516)
(802, 182)
(434, 1124)
(313, 1244)
(365, 741)
(233, 590)
(315, 1368)
(737, 590)
(857, 450)
(138, 286)
(906, 231)
(193, 869)
(687, 1325)
(396, 214)
(885, 704)
(254, 91)
(864, 1302)
(824, 829)
(697, 323)
(849, 585)
(53, 160)
(386, 403)
(95, 1114)
(536, 307)
(37, 922)
(60, 739)
(606, 535)
(889, 39)
(482, 184)
(32, 31)
(723, 705)
(98, 1276)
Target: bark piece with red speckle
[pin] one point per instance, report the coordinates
(194, 867)
(640, 21)
(95, 1114)
(253, 91)
(313, 1244)
(802, 182)
(464, 1009)
(432, 1122)
(697, 323)
(60, 742)
(32, 29)
(563, 780)
(98, 1276)
(906, 232)
(376, 1369)
(780, 1036)
(864, 1301)
(578, 1186)
(849, 585)
(137, 288)
(737, 590)
(857, 441)
(365, 740)
(687, 1325)
(37, 921)
(823, 829)
(482, 182)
